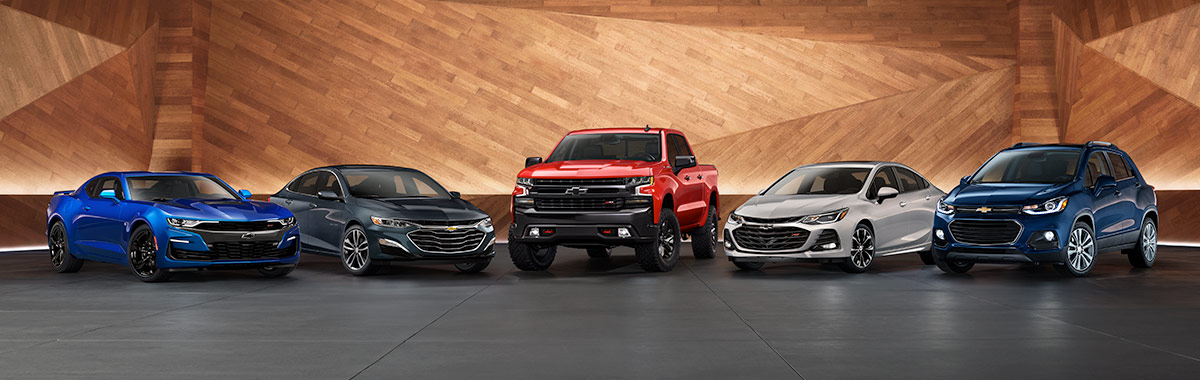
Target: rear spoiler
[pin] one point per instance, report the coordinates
(64, 192)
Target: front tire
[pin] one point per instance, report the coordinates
(927, 257)
(143, 256)
(663, 254)
(60, 250)
(1081, 252)
(862, 250)
(599, 252)
(746, 265)
(356, 252)
(272, 272)
(704, 239)
(1143, 255)
(529, 257)
(956, 267)
(475, 267)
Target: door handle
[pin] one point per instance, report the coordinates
(1117, 193)
(687, 177)
(902, 204)
(289, 201)
(312, 205)
(928, 197)
(701, 176)
(87, 208)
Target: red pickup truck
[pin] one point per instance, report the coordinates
(603, 188)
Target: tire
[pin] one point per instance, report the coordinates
(956, 267)
(704, 239)
(926, 257)
(356, 252)
(475, 267)
(1143, 255)
(862, 250)
(1081, 251)
(272, 272)
(599, 252)
(143, 256)
(60, 250)
(744, 265)
(663, 254)
(528, 257)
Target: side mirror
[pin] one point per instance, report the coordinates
(684, 162)
(328, 195)
(455, 195)
(964, 180)
(885, 193)
(532, 161)
(1105, 182)
(109, 194)
(763, 191)
(244, 193)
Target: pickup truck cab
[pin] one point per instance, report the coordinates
(601, 188)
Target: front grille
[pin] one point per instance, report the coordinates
(985, 232)
(975, 210)
(578, 182)
(439, 240)
(236, 251)
(771, 239)
(579, 203)
(446, 223)
(261, 225)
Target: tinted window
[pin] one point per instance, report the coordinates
(1120, 168)
(672, 151)
(388, 183)
(883, 178)
(609, 146)
(328, 182)
(1030, 166)
(909, 180)
(104, 183)
(1096, 167)
(820, 180)
(680, 144)
(306, 184)
(166, 188)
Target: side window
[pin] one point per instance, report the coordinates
(909, 181)
(1120, 167)
(328, 182)
(306, 184)
(1096, 167)
(883, 178)
(672, 150)
(681, 145)
(104, 183)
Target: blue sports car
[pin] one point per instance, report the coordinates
(160, 223)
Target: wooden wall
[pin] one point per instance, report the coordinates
(1035, 118)
(1093, 19)
(24, 221)
(120, 22)
(1165, 50)
(179, 83)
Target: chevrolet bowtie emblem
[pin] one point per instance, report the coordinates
(451, 229)
(984, 210)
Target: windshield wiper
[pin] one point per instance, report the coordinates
(161, 199)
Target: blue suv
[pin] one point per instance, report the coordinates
(1058, 204)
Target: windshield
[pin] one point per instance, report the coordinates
(820, 180)
(171, 187)
(609, 146)
(1030, 166)
(387, 183)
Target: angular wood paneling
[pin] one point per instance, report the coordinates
(1035, 117)
(1093, 19)
(1179, 216)
(973, 27)
(944, 132)
(1159, 130)
(118, 21)
(1165, 50)
(24, 219)
(173, 82)
(37, 56)
(418, 83)
(1068, 48)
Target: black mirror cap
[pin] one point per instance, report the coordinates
(455, 195)
(1105, 181)
(685, 162)
(964, 180)
(532, 161)
(329, 195)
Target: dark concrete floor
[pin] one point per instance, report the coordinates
(605, 319)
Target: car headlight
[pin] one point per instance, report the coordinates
(639, 181)
(287, 222)
(1048, 207)
(945, 208)
(735, 218)
(390, 222)
(825, 218)
(485, 225)
(524, 181)
(185, 223)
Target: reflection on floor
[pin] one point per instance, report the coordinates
(604, 318)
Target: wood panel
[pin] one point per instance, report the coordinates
(944, 132)
(1179, 216)
(1159, 130)
(1166, 51)
(201, 22)
(418, 83)
(1094, 19)
(118, 21)
(38, 56)
(972, 27)
(1068, 48)
(173, 83)
(24, 218)
(88, 125)
(1035, 117)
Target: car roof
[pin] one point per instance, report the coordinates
(363, 166)
(852, 164)
(148, 173)
(623, 130)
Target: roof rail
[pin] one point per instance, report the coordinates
(1023, 144)
(1101, 143)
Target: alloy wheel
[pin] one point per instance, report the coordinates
(666, 240)
(712, 229)
(1081, 250)
(58, 246)
(1149, 242)
(862, 248)
(355, 250)
(142, 255)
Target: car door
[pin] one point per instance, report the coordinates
(915, 221)
(886, 216)
(298, 197)
(689, 197)
(99, 227)
(1106, 212)
(1126, 215)
(328, 217)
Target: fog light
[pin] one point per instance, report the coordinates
(728, 244)
(829, 246)
(941, 235)
(623, 232)
(1048, 235)
(533, 232)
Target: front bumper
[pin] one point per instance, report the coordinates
(189, 248)
(1029, 246)
(585, 228)
(391, 244)
(814, 248)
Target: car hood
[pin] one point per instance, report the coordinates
(590, 168)
(783, 206)
(222, 209)
(1002, 194)
(434, 209)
